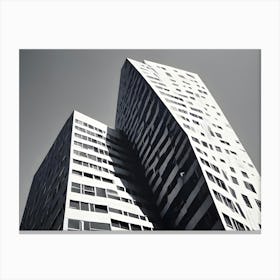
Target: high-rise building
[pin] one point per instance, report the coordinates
(89, 180)
(172, 163)
(199, 172)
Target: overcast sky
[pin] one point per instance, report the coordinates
(55, 82)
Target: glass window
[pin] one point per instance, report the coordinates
(234, 180)
(74, 204)
(101, 209)
(249, 186)
(246, 199)
(77, 172)
(75, 188)
(113, 210)
(86, 226)
(84, 206)
(88, 175)
(258, 203)
(74, 224)
(227, 220)
(135, 227)
(100, 192)
(100, 226)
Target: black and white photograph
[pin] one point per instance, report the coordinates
(145, 146)
(139, 140)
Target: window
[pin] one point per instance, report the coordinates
(74, 224)
(232, 192)
(204, 144)
(211, 177)
(218, 149)
(133, 215)
(240, 210)
(88, 175)
(99, 226)
(74, 204)
(100, 192)
(227, 220)
(77, 172)
(258, 203)
(101, 209)
(84, 206)
(234, 180)
(113, 210)
(246, 199)
(77, 161)
(120, 188)
(107, 180)
(215, 168)
(147, 228)
(249, 186)
(221, 183)
(135, 227)
(195, 139)
(119, 224)
(89, 190)
(217, 195)
(86, 225)
(75, 187)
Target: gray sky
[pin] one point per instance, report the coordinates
(54, 82)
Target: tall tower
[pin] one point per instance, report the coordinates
(89, 180)
(198, 171)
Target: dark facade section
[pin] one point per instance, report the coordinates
(164, 151)
(45, 205)
(135, 181)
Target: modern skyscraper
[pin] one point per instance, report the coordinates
(173, 162)
(199, 172)
(89, 180)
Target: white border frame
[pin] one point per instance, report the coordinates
(155, 24)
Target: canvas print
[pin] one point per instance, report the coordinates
(156, 152)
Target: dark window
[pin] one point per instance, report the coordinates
(133, 215)
(240, 210)
(101, 208)
(88, 175)
(249, 186)
(234, 180)
(84, 206)
(218, 149)
(107, 180)
(146, 228)
(76, 188)
(86, 226)
(113, 210)
(74, 204)
(77, 172)
(211, 177)
(135, 227)
(100, 226)
(246, 199)
(73, 224)
(100, 192)
(258, 203)
(120, 188)
(232, 192)
(227, 220)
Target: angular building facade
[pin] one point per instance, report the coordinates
(172, 163)
(89, 180)
(199, 173)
